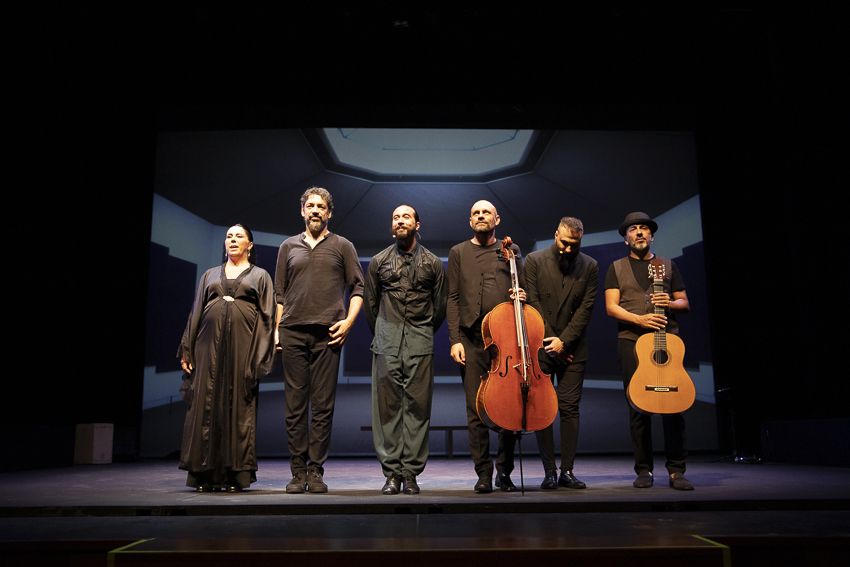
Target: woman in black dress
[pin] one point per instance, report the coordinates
(228, 345)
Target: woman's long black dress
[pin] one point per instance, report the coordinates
(229, 339)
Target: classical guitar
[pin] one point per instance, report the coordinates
(660, 384)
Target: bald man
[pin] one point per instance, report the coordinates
(480, 279)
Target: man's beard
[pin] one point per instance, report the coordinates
(404, 236)
(640, 252)
(565, 261)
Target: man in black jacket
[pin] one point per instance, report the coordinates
(561, 283)
(480, 279)
(405, 296)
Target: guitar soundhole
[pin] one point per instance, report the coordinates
(660, 357)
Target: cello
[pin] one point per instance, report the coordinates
(515, 395)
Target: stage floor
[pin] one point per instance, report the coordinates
(146, 507)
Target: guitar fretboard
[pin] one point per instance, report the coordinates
(660, 342)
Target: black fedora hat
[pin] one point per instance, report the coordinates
(637, 218)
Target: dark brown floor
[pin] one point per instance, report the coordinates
(141, 513)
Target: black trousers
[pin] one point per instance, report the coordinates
(310, 369)
(640, 423)
(478, 365)
(570, 379)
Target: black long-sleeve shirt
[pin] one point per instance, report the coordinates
(311, 283)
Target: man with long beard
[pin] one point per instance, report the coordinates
(405, 304)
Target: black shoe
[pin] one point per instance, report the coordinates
(550, 481)
(679, 482)
(315, 483)
(392, 486)
(504, 482)
(232, 488)
(569, 480)
(410, 486)
(298, 484)
(484, 484)
(204, 488)
(643, 480)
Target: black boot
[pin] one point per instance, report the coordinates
(484, 484)
(504, 482)
(550, 481)
(569, 480)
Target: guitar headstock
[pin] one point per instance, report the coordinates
(656, 271)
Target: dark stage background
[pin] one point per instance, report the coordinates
(759, 89)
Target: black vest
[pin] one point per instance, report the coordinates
(635, 299)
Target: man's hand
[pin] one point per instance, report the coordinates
(339, 332)
(660, 299)
(521, 294)
(652, 321)
(554, 347)
(186, 366)
(458, 354)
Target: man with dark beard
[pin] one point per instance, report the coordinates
(405, 301)
(315, 271)
(561, 283)
(630, 300)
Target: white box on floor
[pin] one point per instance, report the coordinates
(93, 444)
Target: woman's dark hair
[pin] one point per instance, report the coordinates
(252, 255)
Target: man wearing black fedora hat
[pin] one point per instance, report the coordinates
(630, 300)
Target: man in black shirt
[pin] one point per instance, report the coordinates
(405, 296)
(630, 300)
(314, 271)
(479, 279)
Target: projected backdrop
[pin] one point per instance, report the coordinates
(208, 180)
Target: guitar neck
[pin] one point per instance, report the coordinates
(658, 287)
(661, 334)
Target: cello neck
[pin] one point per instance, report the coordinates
(514, 280)
(519, 315)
